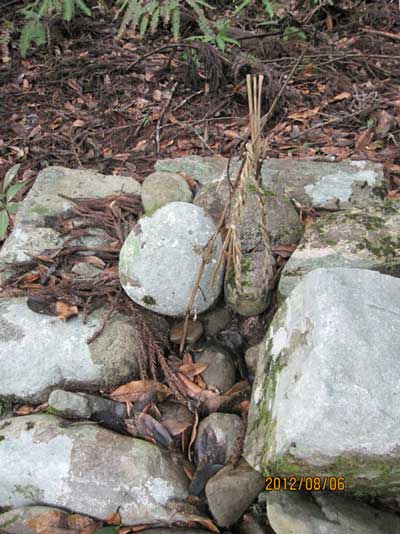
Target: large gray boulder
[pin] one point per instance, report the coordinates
(39, 352)
(326, 396)
(356, 237)
(291, 512)
(32, 233)
(87, 469)
(161, 258)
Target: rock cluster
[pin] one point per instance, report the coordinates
(326, 375)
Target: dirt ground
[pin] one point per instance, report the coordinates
(91, 100)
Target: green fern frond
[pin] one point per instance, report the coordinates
(83, 7)
(202, 20)
(33, 32)
(144, 24)
(68, 10)
(176, 23)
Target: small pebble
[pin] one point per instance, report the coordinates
(221, 371)
(216, 320)
(193, 333)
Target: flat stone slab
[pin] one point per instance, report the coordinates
(326, 396)
(334, 185)
(291, 512)
(161, 258)
(88, 470)
(365, 238)
(39, 352)
(32, 233)
(203, 169)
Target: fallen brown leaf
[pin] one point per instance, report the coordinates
(364, 140)
(113, 519)
(284, 250)
(27, 409)
(65, 310)
(133, 391)
(192, 369)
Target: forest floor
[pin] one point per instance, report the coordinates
(91, 100)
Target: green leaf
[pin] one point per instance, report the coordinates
(12, 208)
(144, 24)
(83, 7)
(241, 6)
(269, 8)
(176, 23)
(220, 43)
(46, 4)
(10, 175)
(68, 10)
(3, 224)
(13, 190)
(155, 20)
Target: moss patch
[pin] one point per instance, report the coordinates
(384, 246)
(150, 301)
(364, 476)
(29, 492)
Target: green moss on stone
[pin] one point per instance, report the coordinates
(384, 246)
(150, 301)
(9, 523)
(363, 476)
(29, 492)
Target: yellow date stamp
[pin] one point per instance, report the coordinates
(305, 483)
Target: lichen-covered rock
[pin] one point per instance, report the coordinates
(32, 233)
(203, 169)
(291, 512)
(160, 188)
(329, 375)
(87, 469)
(161, 258)
(357, 237)
(254, 296)
(39, 352)
(231, 491)
(283, 222)
(336, 185)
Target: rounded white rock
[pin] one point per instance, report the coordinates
(161, 258)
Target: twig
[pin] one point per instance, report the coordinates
(105, 320)
(159, 122)
(390, 35)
